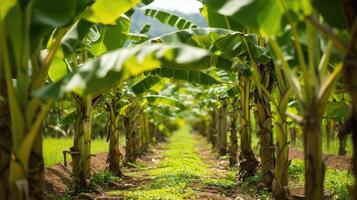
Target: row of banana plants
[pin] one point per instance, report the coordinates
(300, 51)
(70, 48)
(283, 50)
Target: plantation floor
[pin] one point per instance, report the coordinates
(185, 167)
(182, 168)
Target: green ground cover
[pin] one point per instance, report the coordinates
(181, 168)
(336, 181)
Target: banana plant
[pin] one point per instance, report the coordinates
(317, 82)
(114, 128)
(24, 26)
(217, 20)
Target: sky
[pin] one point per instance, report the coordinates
(185, 6)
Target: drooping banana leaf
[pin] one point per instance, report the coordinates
(187, 75)
(199, 37)
(228, 44)
(216, 20)
(106, 71)
(165, 100)
(74, 37)
(112, 36)
(145, 84)
(196, 77)
(170, 19)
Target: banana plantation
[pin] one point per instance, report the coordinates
(259, 103)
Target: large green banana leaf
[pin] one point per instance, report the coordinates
(106, 71)
(165, 100)
(228, 44)
(199, 37)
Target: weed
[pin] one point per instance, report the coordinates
(102, 177)
(336, 181)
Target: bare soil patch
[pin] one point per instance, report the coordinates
(331, 161)
(58, 177)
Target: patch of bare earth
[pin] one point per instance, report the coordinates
(58, 177)
(331, 161)
(141, 176)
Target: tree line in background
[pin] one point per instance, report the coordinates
(279, 59)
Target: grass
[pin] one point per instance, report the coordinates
(174, 175)
(53, 148)
(103, 177)
(336, 181)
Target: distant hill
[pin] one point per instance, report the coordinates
(138, 20)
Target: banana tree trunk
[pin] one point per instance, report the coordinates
(350, 75)
(144, 133)
(151, 133)
(233, 143)
(248, 163)
(36, 170)
(280, 183)
(314, 166)
(114, 156)
(213, 129)
(293, 135)
(130, 156)
(329, 133)
(342, 139)
(222, 131)
(81, 149)
(265, 127)
(266, 141)
(354, 159)
(5, 144)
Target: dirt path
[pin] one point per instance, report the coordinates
(183, 168)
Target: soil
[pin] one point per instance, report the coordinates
(331, 161)
(58, 177)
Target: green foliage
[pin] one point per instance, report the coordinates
(112, 37)
(256, 15)
(103, 177)
(187, 75)
(106, 71)
(338, 18)
(225, 183)
(336, 181)
(139, 20)
(53, 13)
(296, 169)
